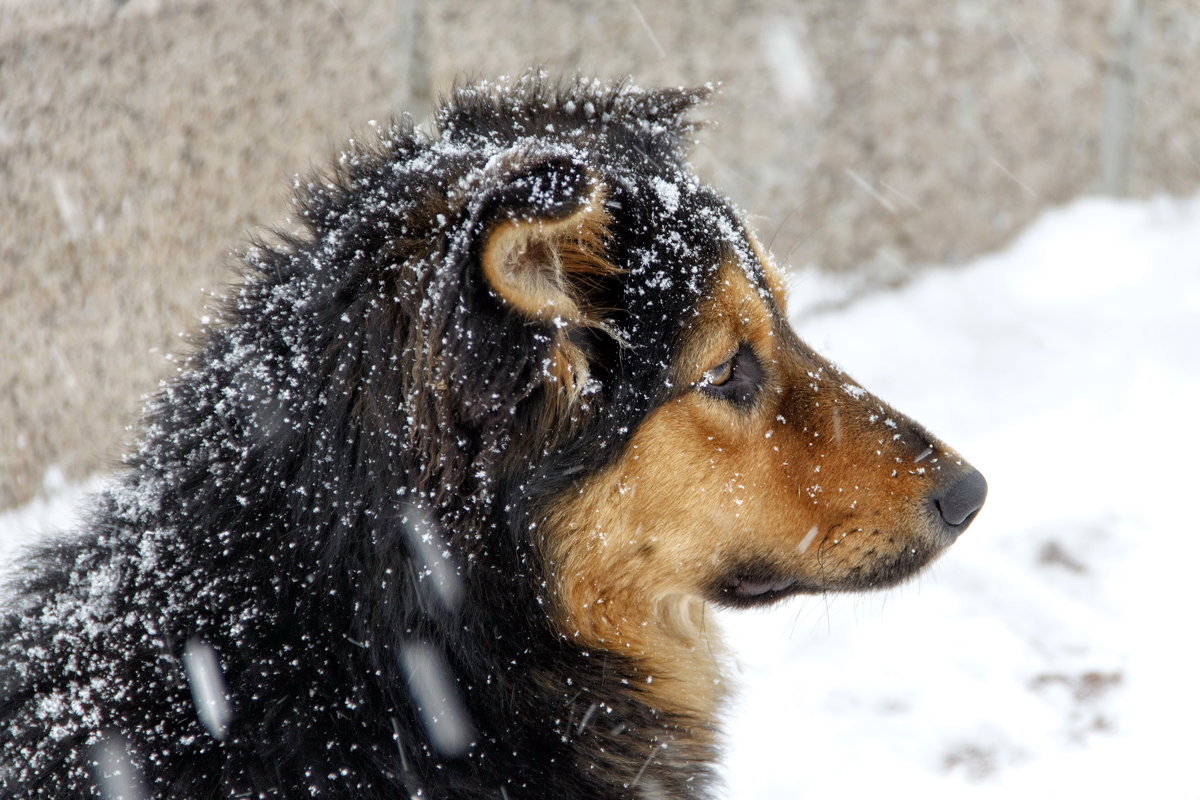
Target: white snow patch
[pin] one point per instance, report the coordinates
(55, 508)
(115, 773)
(792, 71)
(435, 695)
(668, 194)
(207, 682)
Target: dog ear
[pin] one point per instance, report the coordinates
(544, 232)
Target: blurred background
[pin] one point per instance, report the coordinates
(142, 141)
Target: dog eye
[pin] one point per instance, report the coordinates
(737, 380)
(719, 375)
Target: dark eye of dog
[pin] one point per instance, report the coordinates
(720, 374)
(736, 379)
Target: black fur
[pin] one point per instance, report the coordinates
(362, 387)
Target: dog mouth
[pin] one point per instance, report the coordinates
(760, 583)
(758, 586)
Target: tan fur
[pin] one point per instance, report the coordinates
(775, 277)
(545, 269)
(814, 479)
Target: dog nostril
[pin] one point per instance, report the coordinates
(959, 501)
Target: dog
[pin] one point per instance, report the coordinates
(438, 503)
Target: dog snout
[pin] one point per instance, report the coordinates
(958, 500)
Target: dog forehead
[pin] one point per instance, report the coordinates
(676, 233)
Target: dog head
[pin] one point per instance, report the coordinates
(695, 448)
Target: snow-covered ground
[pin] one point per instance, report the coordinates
(1054, 651)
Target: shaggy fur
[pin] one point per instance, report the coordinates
(391, 493)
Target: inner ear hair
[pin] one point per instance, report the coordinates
(542, 268)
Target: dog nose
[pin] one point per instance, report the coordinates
(958, 501)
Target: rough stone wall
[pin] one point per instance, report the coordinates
(139, 146)
(141, 142)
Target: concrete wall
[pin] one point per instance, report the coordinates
(140, 143)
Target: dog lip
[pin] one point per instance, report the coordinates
(744, 589)
(744, 586)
